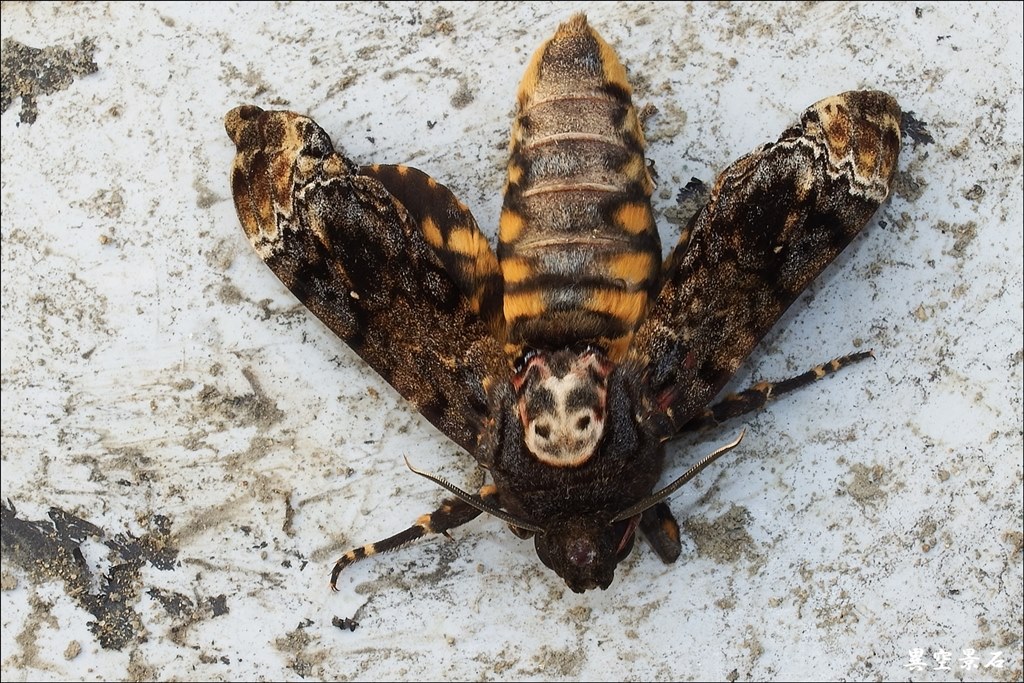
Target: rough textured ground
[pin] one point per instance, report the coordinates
(186, 450)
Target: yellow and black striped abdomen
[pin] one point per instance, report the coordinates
(578, 247)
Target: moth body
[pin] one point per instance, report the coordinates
(565, 361)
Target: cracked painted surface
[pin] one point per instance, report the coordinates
(186, 450)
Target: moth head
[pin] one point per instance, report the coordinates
(561, 400)
(584, 551)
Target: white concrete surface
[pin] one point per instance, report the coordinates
(151, 365)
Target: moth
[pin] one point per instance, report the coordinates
(566, 359)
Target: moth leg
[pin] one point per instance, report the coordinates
(452, 513)
(661, 530)
(758, 395)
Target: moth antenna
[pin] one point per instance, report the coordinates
(657, 497)
(474, 501)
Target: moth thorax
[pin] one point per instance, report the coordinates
(561, 403)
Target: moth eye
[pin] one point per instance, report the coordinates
(543, 431)
(583, 423)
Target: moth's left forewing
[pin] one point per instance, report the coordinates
(775, 219)
(354, 255)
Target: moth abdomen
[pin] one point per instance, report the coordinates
(578, 245)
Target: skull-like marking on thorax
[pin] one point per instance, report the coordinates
(561, 403)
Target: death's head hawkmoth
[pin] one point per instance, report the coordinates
(567, 358)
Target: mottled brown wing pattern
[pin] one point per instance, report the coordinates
(775, 219)
(356, 257)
